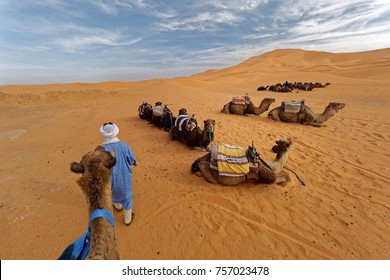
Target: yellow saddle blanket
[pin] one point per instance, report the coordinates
(231, 160)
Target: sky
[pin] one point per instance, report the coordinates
(64, 41)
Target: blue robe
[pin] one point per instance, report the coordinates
(121, 179)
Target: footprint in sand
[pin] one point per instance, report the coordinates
(12, 134)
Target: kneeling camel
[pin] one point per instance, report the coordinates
(248, 109)
(306, 116)
(267, 172)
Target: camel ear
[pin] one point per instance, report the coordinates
(110, 162)
(100, 148)
(213, 122)
(76, 167)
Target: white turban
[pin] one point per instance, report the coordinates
(109, 132)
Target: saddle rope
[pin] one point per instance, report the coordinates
(300, 180)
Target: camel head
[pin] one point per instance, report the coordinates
(94, 166)
(209, 125)
(94, 161)
(335, 106)
(183, 111)
(267, 102)
(282, 145)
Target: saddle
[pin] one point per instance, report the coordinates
(293, 106)
(185, 123)
(158, 110)
(145, 106)
(241, 100)
(229, 160)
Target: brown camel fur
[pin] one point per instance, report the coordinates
(261, 174)
(306, 115)
(96, 170)
(249, 109)
(196, 139)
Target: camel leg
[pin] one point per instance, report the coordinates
(198, 149)
(226, 109)
(280, 179)
(275, 115)
(313, 124)
(171, 134)
(205, 170)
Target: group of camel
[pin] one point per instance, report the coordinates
(191, 134)
(96, 166)
(288, 87)
(304, 115)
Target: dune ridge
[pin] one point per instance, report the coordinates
(341, 213)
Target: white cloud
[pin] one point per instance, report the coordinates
(111, 7)
(202, 22)
(241, 5)
(84, 42)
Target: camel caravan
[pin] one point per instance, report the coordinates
(289, 111)
(289, 87)
(183, 128)
(159, 115)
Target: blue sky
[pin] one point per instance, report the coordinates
(62, 41)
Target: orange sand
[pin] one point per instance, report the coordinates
(342, 213)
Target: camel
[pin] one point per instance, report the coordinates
(261, 88)
(163, 118)
(145, 111)
(196, 139)
(250, 109)
(306, 116)
(267, 172)
(96, 169)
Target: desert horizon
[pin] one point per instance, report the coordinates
(341, 213)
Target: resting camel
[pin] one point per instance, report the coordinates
(165, 120)
(250, 109)
(261, 88)
(96, 168)
(145, 111)
(196, 138)
(267, 172)
(306, 116)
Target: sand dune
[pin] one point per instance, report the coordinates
(343, 212)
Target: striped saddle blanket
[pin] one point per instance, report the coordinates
(241, 100)
(229, 160)
(185, 123)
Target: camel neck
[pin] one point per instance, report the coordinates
(101, 213)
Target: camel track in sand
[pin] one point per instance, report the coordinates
(232, 209)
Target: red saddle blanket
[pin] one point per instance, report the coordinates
(242, 100)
